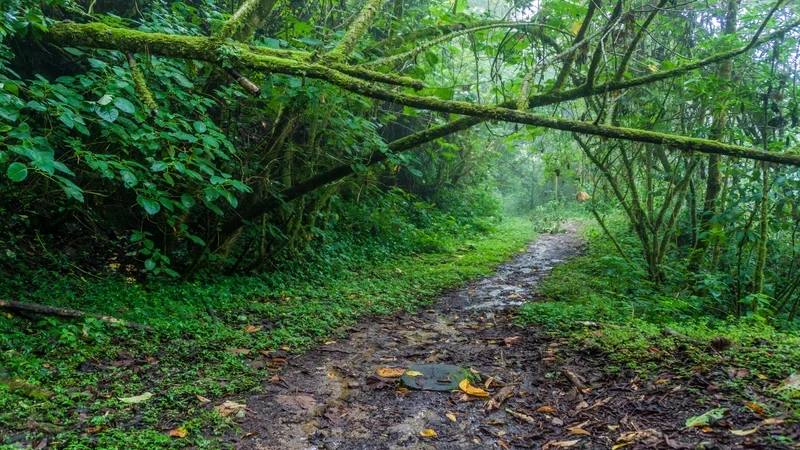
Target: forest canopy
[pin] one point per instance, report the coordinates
(225, 132)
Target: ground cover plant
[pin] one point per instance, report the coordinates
(191, 361)
(606, 306)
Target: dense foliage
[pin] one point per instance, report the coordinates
(194, 164)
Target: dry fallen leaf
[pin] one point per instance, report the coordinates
(761, 376)
(472, 390)
(229, 408)
(252, 329)
(771, 421)
(451, 416)
(523, 417)
(427, 433)
(743, 432)
(390, 372)
(756, 408)
(179, 432)
(412, 373)
(579, 431)
(203, 399)
(238, 351)
(560, 444)
(545, 410)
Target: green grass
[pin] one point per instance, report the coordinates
(601, 287)
(90, 364)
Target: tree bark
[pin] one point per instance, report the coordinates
(714, 179)
(63, 312)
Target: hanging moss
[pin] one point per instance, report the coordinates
(140, 86)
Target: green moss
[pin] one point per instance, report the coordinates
(140, 86)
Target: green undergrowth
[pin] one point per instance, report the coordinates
(605, 306)
(90, 365)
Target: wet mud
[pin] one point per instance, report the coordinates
(544, 393)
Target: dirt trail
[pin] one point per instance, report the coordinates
(331, 397)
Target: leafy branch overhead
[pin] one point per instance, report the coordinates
(357, 79)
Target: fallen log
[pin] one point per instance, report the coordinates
(64, 312)
(25, 389)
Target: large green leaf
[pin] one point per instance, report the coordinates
(17, 172)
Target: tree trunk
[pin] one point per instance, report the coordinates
(714, 180)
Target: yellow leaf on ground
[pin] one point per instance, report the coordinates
(203, 399)
(427, 433)
(137, 398)
(619, 446)
(252, 329)
(771, 421)
(761, 376)
(451, 416)
(472, 390)
(546, 410)
(179, 432)
(756, 408)
(412, 373)
(579, 431)
(743, 432)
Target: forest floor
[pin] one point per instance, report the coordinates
(543, 391)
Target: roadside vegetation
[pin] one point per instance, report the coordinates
(210, 341)
(666, 332)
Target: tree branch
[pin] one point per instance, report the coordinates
(356, 31)
(389, 60)
(246, 19)
(567, 67)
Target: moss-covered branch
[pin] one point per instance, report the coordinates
(356, 31)
(246, 19)
(99, 35)
(260, 206)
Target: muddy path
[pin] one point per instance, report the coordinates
(332, 398)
